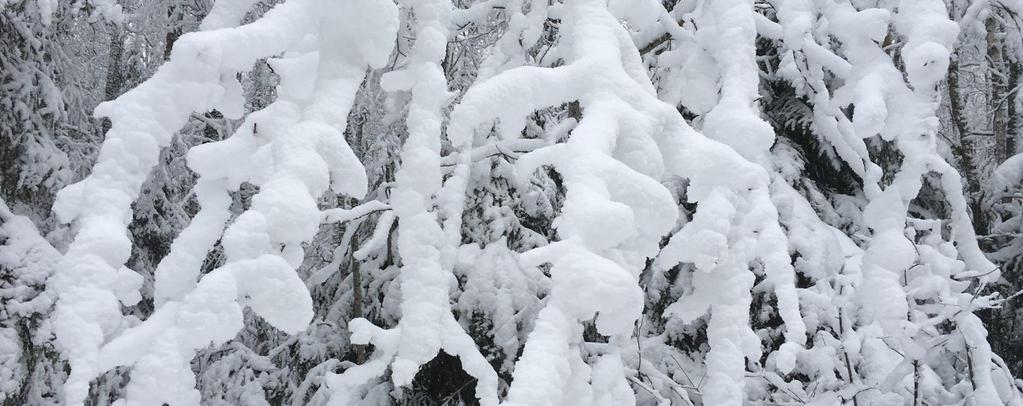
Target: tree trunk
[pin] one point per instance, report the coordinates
(1012, 108)
(998, 102)
(115, 74)
(360, 351)
(174, 21)
(964, 152)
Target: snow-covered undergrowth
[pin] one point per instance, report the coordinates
(663, 245)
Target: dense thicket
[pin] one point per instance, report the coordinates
(522, 202)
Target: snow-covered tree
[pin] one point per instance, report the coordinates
(521, 202)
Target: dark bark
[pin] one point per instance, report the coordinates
(360, 351)
(998, 101)
(115, 73)
(965, 150)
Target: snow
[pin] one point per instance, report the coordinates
(274, 292)
(427, 325)
(27, 260)
(225, 14)
(261, 244)
(178, 271)
(379, 237)
(975, 336)
(730, 40)
(498, 285)
(345, 215)
(598, 186)
(618, 192)
(543, 373)
(1008, 173)
(143, 120)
